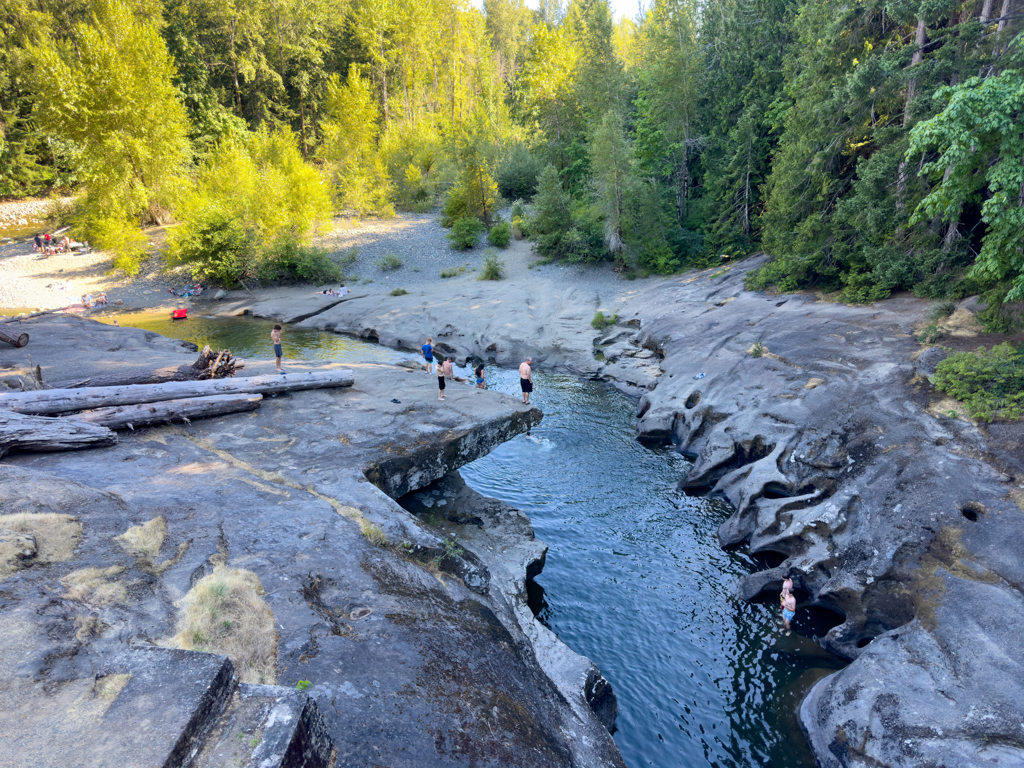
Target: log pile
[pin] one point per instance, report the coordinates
(215, 365)
(66, 419)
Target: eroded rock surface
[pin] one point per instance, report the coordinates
(816, 421)
(813, 420)
(414, 660)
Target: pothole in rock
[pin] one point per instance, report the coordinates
(972, 510)
(768, 558)
(360, 613)
(693, 399)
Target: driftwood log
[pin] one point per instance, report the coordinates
(209, 365)
(168, 411)
(41, 433)
(53, 401)
(13, 337)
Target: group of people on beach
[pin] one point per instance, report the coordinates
(341, 291)
(447, 371)
(44, 244)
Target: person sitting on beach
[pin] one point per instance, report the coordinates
(87, 301)
(446, 367)
(101, 300)
(343, 291)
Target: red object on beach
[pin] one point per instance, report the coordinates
(179, 314)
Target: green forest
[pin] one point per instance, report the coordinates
(868, 146)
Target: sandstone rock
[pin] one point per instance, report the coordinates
(220, 295)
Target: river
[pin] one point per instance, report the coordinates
(634, 578)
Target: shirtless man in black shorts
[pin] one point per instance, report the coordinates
(526, 379)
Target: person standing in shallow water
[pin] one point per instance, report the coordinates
(480, 376)
(275, 336)
(526, 379)
(788, 602)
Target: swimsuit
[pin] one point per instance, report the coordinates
(277, 350)
(479, 379)
(788, 615)
(440, 383)
(526, 384)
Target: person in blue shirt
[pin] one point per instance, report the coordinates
(428, 354)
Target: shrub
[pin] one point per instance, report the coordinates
(518, 210)
(517, 174)
(453, 272)
(466, 233)
(493, 268)
(500, 234)
(124, 239)
(601, 321)
(989, 383)
(390, 263)
(942, 309)
(287, 257)
(399, 292)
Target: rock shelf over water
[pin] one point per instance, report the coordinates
(417, 652)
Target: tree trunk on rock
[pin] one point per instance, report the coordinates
(41, 433)
(52, 401)
(13, 337)
(209, 365)
(168, 411)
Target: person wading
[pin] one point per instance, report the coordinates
(526, 379)
(788, 602)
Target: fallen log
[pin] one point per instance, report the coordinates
(14, 338)
(209, 365)
(168, 411)
(42, 433)
(50, 401)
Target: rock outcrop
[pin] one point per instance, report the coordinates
(417, 655)
(816, 421)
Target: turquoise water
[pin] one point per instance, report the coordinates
(634, 578)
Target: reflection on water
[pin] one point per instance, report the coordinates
(634, 578)
(249, 337)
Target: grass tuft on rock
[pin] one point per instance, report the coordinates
(93, 586)
(399, 292)
(144, 540)
(373, 533)
(602, 321)
(225, 613)
(36, 539)
(390, 262)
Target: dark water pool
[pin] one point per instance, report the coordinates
(634, 577)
